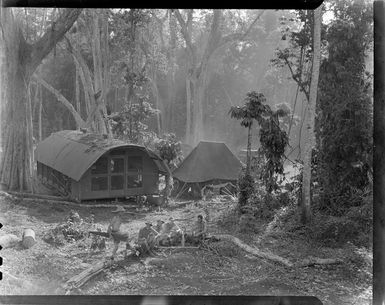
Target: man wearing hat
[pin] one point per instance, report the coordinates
(146, 237)
(116, 234)
(159, 225)
(145, 232)
(169, 232)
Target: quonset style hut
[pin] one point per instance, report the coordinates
(89, 166)
(207, 163)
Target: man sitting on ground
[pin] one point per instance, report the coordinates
(169, 232)
(146, 237)
(200, 230)
(159, 224)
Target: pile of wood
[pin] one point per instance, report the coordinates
(79, 280)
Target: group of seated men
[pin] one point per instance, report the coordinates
(169, 233)
(163, 233)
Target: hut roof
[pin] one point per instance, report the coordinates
(72, 152)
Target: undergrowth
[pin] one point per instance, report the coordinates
(74, 228)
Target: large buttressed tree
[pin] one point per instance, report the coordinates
(19, 61)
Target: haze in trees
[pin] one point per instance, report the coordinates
(288, 92)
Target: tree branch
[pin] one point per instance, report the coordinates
(52, 36)
(63, 100)
(241, 35)
(185, 32)
(296, 79)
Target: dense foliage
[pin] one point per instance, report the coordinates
(130, 123)
(344, 114)
(273, 144)
(169, 149)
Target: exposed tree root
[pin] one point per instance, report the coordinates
(319, 261)
(254, 251)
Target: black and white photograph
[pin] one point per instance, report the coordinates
(188, 152)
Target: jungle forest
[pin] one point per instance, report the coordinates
(187, 151)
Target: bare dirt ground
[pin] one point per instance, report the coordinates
(223, 270)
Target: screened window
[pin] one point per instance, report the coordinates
(117, 165)
(134, 164)
(134, 181)
(117, 182)
(100, 166)
(99, 183)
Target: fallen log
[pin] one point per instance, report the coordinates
(51, 201)
(40, 196)
(254, 251)
(79, 280)
(9, 241)
(319, 261)
(78, 205)
(178, 247)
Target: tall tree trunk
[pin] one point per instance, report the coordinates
(16, 170)
(199, 90)
(77, 90)
(30, 137)
(248, 152)
(200, 86)
(171, 81)
(306, 179)
(378, 155)
(157, 103)
(22, 60)
(39, 118)
(188, 111)
(99, 62)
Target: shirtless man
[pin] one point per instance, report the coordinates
(200, 229)
(170, 232)
(115, 232)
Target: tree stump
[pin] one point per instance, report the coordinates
(28, 238)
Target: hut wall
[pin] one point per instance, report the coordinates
(53, 178)
(120, 173)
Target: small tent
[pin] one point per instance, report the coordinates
(207, 163)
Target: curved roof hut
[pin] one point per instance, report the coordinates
(90, 166)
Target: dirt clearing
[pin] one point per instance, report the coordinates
(224, 269)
